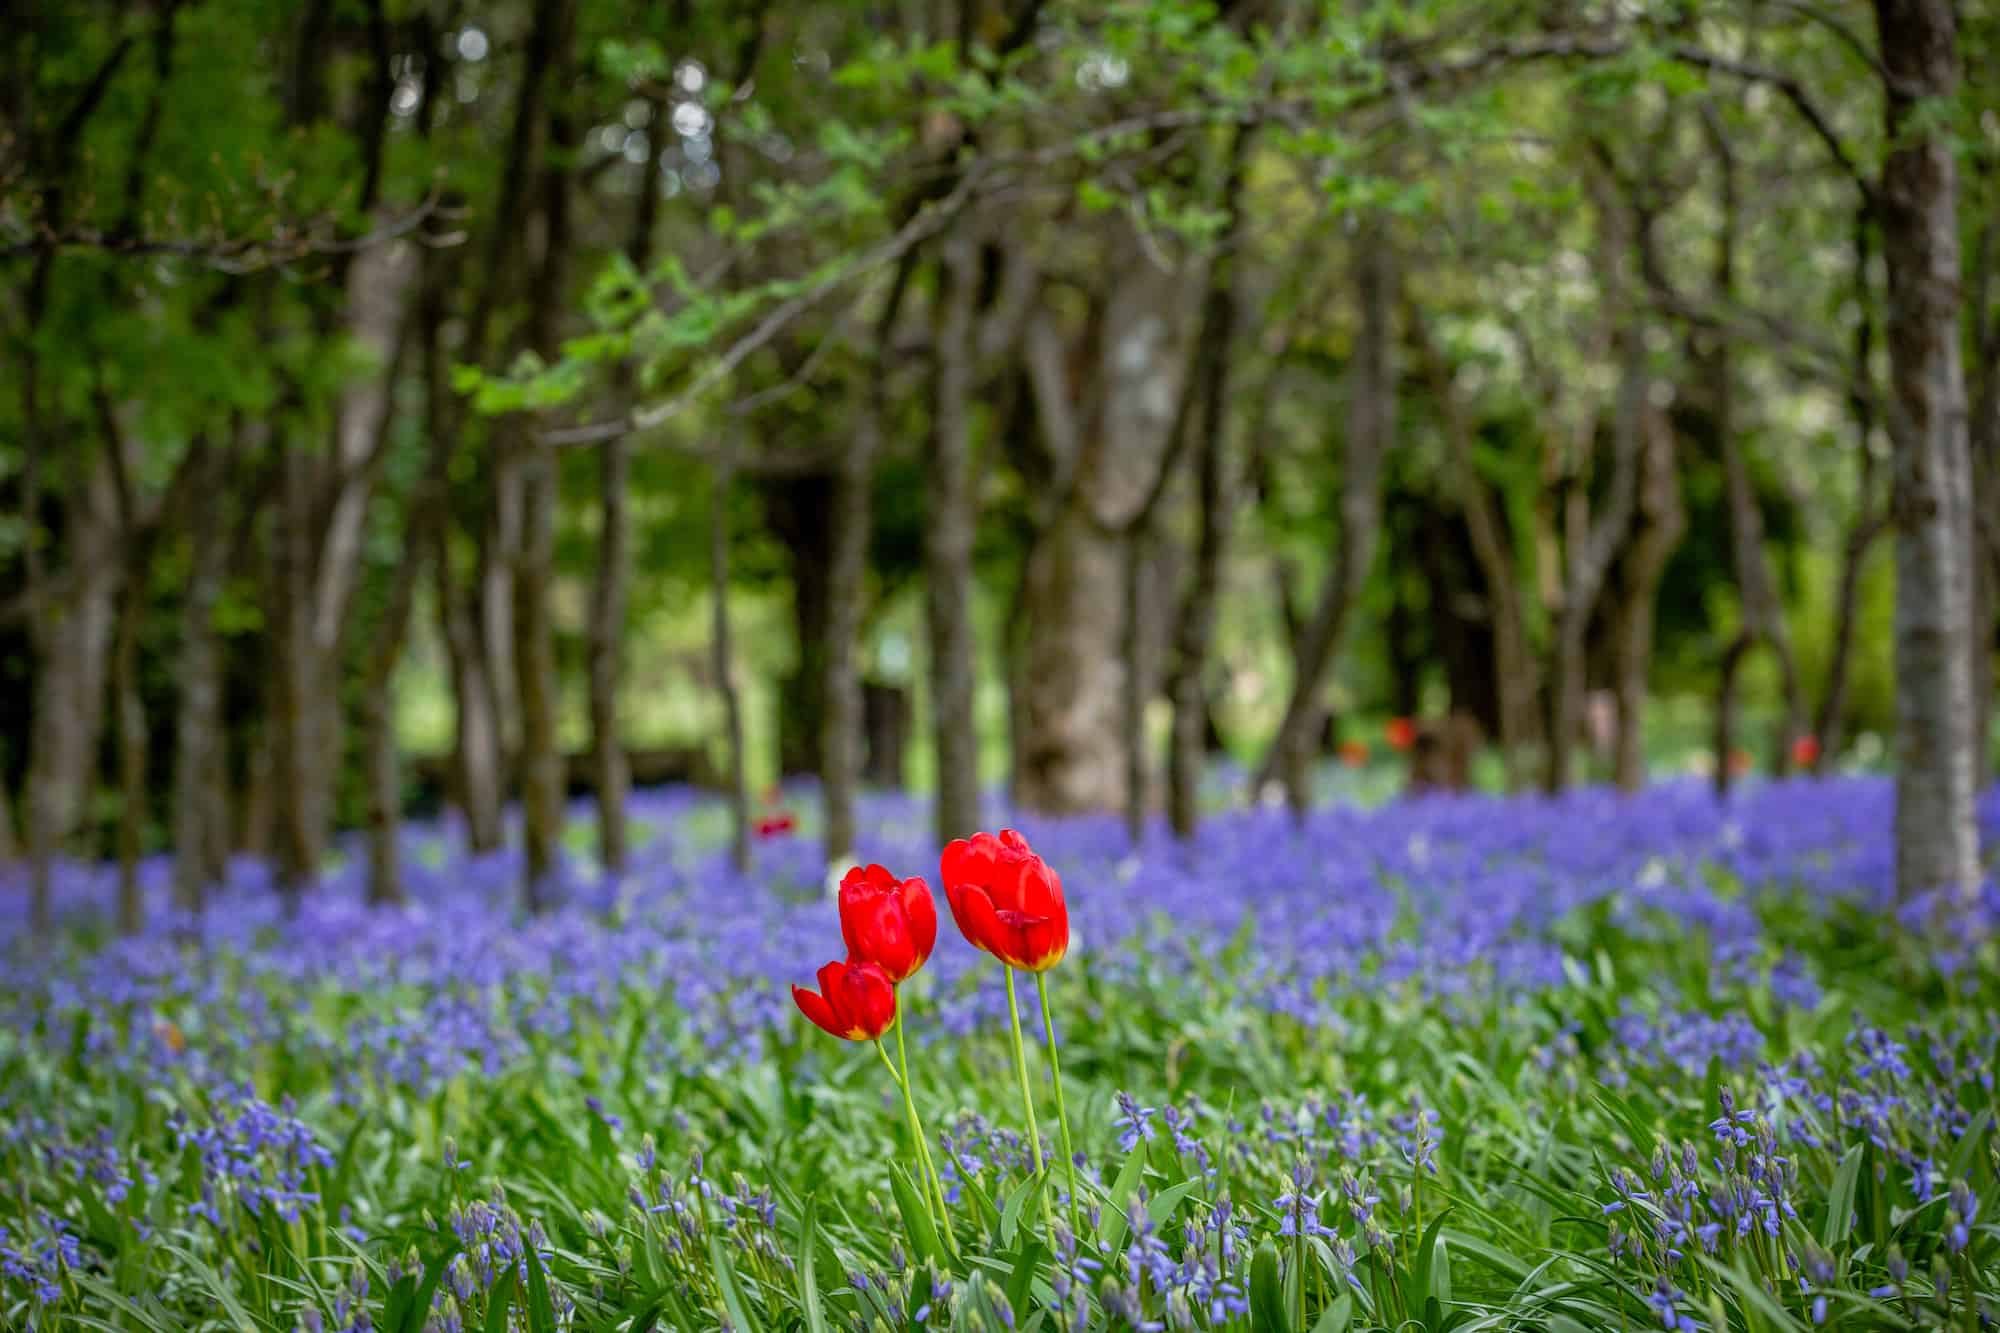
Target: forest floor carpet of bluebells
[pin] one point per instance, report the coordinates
(1471, 1063)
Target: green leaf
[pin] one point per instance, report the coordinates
(541, 1310)
(725, 1281)
(497, 1302)
(1010, 1216)
(1337, 1316)
(1111, 1230)
(917, 1223)
(1267, 1293)
(1840, 1199)
(808, 1283)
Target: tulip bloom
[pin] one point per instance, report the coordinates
(1805, 751)
(1401, 733)
(1354, 753)
(773, 826)
(888, 923)
(855, 1000)
(1006, 901)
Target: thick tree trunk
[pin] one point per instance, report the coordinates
(948, 535)
(1371, 427)
(1937, 844)
(723, 664)
(1658, 524)
(1108, 456)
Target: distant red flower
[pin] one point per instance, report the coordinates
(1805, 751)
(1006, 900)
(1739, 762)
(1354, 753)
(855, 1000)
(1401, 733)
(776, 826)
(887, 922)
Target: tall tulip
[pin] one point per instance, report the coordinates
(892, 923)
(1008, 902)
(887, 922)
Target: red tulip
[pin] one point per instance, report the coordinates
(855, 1000)
(888, 923)
(772, 826)
(1006, 900)
(1805, 751)
(1401, 733)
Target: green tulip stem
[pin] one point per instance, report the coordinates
(1027, 1097)
(1062, 1111)
(936, 1185)
(916, 1130)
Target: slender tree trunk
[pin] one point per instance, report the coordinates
(477, 757)
(723, 664)
(295, 748)
(1591, 541)
(130, 711)
(614, 560)
(1937, 843)
(847, 573)
(1371, 427)
(1725, 708)
(1659, 522)
(948, 536)
(1215, 495)
(1515, 683)
(1140, 550)
(198, 722)
(541, 764)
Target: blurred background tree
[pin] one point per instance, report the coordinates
(417, 401)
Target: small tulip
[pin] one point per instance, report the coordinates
(775, 826)
(888, 923)
(1354, 753)
(1401, 733)
(855, 1000)
(1805, 751)
(1006, 900)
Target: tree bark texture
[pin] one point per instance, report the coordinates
(1937, 845)
(949, 529)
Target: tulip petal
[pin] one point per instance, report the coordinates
(922, 915)
(815, 1007)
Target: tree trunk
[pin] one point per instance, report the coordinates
(1371, 427)
(1937, 843)
(1514, 671)
(1109, 454)
(847, 575)
(1658, 524)
(949, 529)
(723, 664)
(478, 761)
(131, 733)
(295, 682)
(198, 722)
(1591, 541)
(613, 574)
(541, 763)
(1725, 708)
